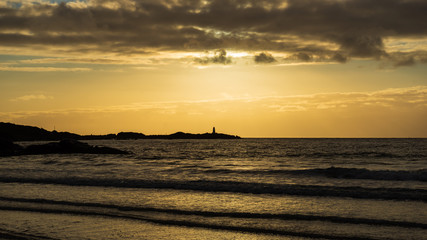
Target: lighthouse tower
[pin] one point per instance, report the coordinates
(213, 130)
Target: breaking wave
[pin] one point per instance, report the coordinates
(281, 216)
(236, 187)
(338, 172)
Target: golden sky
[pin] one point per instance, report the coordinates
(267, 68)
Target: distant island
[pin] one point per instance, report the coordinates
(13, 132)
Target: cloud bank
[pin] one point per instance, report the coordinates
(305, 30)
(358, 114)
(32, 97)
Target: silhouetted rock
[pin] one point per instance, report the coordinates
(70, 146)
(8, 148)
(65, 146)
(129, 135)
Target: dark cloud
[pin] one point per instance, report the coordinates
(220, 57)
(302, 28)
(338, 57)
(302, 57)
(410, 61)
(404, 59)
(363, 46)
(264, 58)
(318, 57)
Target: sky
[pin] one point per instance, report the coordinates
(265, 68)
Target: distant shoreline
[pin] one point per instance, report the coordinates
(15, 132)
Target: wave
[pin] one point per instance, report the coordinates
(324, 154)
(8, 234)
(361, 154)
(337, 172)
(302, 155)
(185, 223)
(280, 216)
(362, 173)
(236, 187)
(204, 219)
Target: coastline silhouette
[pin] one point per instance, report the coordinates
(68, 142)
(14, 132)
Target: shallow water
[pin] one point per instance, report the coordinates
(198, 189)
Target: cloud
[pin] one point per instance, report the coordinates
(302, 57)
(404, 59)
(391, 112)
(264, 58)
(338, 57)
(393, 98)
(410, 61)
(354, 28)
(219, 57)
(414, 97)
(41, 69)
(362, 46)
(32, 97)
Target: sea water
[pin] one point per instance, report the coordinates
(220, 189)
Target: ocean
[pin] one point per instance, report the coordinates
(220, 189)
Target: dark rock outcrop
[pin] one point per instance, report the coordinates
(8, 148)
(66, 146)
(130, 135)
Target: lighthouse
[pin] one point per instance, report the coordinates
(213, 130)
